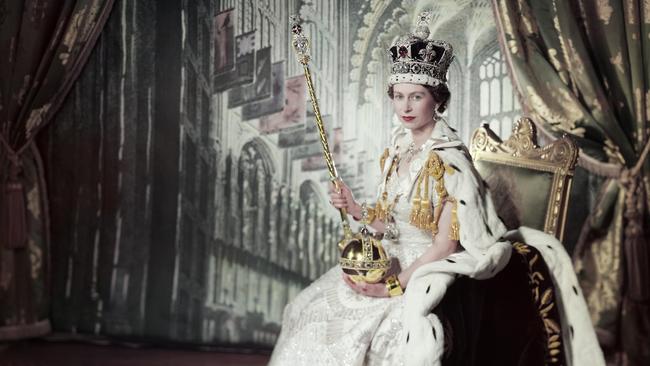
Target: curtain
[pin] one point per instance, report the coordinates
(44, 47)
(582, 68)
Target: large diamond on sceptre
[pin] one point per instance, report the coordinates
(299, 41)
(362, 255)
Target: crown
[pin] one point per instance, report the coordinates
(416, 59)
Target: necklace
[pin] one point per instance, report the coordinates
(411, 151)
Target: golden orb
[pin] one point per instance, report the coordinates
(363, 258)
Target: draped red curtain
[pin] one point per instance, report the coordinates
(45, 44)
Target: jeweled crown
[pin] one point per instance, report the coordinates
(419, 60)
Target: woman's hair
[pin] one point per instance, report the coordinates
(440, 94)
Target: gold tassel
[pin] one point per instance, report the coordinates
(436, 218)
(454, 232)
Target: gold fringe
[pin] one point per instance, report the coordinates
(425, 205)
(382, 159)
(415, 209)
(454, 232)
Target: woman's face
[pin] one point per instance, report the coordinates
(414, 105)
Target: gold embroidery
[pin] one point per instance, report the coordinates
(570, 106)
(36, 119)
(454, 232)
(647, 103)
(539, 105)
(575, 61)
(545, 302)
(33, 202)
(604, 10)
(618, 62)
(631, 8)
(529, 26)
(552, 54)
(36, 259)
(508, 28)
(638, 100)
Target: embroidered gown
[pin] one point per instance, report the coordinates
(330, 324)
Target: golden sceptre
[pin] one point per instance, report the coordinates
(362, 255)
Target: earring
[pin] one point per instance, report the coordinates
(436, 115)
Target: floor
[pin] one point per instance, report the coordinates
(41, 353)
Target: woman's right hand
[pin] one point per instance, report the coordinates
(343, 198)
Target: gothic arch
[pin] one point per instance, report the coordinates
(484, 50)
(254, 180)
(262, 149)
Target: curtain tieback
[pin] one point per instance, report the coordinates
(636, 250)
(13, 223)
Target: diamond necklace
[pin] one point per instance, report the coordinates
(411, 151)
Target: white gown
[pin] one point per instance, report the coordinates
(330, 324)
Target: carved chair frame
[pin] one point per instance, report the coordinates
(521, 150)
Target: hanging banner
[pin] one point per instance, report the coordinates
(294, 110)
(275, 102)
(245, 58)
(292, 136)
(244, 71)
(224, 49)
(258, 90)
(224, 46)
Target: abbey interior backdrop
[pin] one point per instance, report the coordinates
(187, 189)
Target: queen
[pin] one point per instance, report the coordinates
(437, 219)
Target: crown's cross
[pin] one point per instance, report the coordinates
(422, 25)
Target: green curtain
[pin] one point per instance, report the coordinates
(582, 68)
(44, 44)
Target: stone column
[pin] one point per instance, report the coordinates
(273, 214)
(260, 245)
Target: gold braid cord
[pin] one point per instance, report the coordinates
(422, 216)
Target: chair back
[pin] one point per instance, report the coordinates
(530, 185)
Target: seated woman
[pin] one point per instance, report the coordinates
(438, 222)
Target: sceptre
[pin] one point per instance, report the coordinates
(362, 255)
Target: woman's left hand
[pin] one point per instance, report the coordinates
(367, 289)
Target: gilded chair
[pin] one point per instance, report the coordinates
(504, 320)
(530, 185)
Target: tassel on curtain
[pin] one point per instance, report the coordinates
(13, 225)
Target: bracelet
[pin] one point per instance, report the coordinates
(367, 214)
(394, 287)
